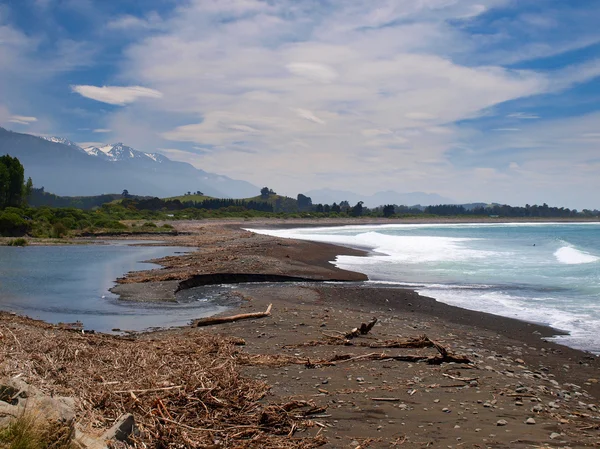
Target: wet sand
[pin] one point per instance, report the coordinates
(515, 376)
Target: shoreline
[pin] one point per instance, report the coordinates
(518, 390)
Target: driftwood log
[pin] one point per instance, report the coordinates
(229, 319)
(364, 329)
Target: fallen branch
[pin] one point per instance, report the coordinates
(386, 399)
(229, 319)
(364, 329)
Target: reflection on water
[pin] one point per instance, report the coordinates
(71, 283)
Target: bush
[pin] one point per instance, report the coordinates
(167, 226)
(59, 230)
(12, 224)
(17, 242)
(149, 224)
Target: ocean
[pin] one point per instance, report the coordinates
(546, 273)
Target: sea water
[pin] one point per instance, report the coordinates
(547, 273)
(71, 283)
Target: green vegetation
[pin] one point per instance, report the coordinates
(29, 432)
(125, 213)
(17, 242)
(193, 197)
(13, 189)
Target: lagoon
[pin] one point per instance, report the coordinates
(71, 283)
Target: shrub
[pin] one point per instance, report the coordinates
(12, 224)
(18, 242)
(167, 226)
(59, 230)
(149, 224)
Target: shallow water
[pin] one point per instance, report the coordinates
(541, 272)
(71, 283)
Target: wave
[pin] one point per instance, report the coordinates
(401, 248)
(572, 256)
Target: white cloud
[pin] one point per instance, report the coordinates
(116, 95)
(128, 22)
(419, 116)
(523, 116)
(22, 120)
(101, 130)
(314, 72)
(308, 115)
(353, 94)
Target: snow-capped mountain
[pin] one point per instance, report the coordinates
(64, 168)
(120, 152)
(62, 140)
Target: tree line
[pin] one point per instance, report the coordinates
(13, 190)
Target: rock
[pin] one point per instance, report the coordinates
(122, 429)
(501, 422)
(554, 435)
(530, 421)
(23, 396)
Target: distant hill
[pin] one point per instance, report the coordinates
(64, 168)
(329, 196)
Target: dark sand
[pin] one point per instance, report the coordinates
(515, 374)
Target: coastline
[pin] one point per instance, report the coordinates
(515, 375)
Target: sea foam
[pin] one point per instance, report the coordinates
(571, 256)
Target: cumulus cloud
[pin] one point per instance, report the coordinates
(116, 95)
(346, 93)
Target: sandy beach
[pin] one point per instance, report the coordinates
(400, 385)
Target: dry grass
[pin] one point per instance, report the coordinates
(184, 391)
(30, 431)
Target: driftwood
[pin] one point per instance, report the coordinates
(229, 319)
(282, 360)
(364, 329)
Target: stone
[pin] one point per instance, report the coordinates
(530, 421)
(121, 429)
(554, 435)
(501, 422)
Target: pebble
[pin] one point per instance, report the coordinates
(530, 421)
(501, 422)
(554, 435)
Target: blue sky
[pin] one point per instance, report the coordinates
(477, 100)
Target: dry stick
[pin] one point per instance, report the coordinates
(230, 319)
(149, 390)
(386, 399)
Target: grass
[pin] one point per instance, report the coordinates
(29, 432)
(17, 242)
(196, 198)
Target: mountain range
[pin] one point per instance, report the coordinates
(64, 168)
(329, 196)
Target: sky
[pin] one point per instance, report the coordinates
(476, 100)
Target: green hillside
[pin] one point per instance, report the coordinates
(184, 198)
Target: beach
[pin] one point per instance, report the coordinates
(426, 375)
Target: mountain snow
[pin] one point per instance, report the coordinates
(62, 141)
(120, 152)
